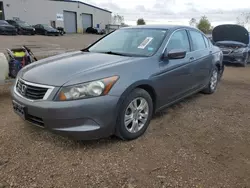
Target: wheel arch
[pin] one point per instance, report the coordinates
(143, 84)
(220, 67)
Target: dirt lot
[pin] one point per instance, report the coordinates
(202, 142)
(46, 46)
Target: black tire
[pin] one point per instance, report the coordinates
(121, 130)
(245, 62)
(45, 33)
(248, 60)
(209, 89)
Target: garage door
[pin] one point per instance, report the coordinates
(69, 21)
(86, 21)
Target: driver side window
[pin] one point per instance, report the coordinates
(179, 40)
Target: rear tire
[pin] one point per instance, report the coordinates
(213, 82)
(134, 115)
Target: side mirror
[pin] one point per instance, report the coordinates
(175, 54)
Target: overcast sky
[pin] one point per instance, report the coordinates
(175, 11)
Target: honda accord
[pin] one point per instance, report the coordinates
(234, 43)
(114, 86)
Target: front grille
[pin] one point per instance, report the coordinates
(226, 51)
(35, 120)
(30, 91)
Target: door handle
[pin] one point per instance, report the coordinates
(191, 59)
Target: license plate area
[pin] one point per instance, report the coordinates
(19, 109)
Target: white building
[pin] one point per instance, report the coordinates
(73, 16)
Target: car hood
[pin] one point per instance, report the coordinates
(7, 26)
(58, 70)
(230, 32)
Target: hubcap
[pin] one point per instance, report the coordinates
(136, 115)
(214, 79)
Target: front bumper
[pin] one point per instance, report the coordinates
(85, 119)
(8, 32)
(53, 33)
(235, 58)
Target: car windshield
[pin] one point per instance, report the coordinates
(131, 42)
(24, 24)
(2, 22)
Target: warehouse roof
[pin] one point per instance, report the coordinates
(75, 1)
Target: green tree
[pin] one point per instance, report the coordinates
(204, 25)
(141, 21)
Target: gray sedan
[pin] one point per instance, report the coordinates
(114, 86)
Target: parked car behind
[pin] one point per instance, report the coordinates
(116, 84)
(7, 29)
(44, 29)
(22, 27)
(234, 43)
(101, 31)
(61, 30)
(91, 30)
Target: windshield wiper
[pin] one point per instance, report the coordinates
(85, 50)
(114, 53)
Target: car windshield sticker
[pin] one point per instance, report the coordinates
(150, 49)
(145, 42)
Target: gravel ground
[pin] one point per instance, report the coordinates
(46, 46)
(200, 142)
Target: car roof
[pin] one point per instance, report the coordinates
(172, 27)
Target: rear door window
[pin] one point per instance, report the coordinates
(206, 41)
(197, 40)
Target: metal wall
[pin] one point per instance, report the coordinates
(45, 11)
(70, 20)
(87, 21)
(1, 11)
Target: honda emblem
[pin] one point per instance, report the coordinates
(23, 89)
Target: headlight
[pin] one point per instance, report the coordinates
(87, 90)
(239, 50)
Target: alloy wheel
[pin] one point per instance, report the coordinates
(136, 115)
(214, 80)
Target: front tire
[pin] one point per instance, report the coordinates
(135, 115)
(245, 62)
(213, 82)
